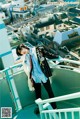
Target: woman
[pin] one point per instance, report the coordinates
(39, 70)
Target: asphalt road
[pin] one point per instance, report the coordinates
(17, 25)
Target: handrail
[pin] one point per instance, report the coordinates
(60, 59)
(53, 65)
(69, 68)
(70, 61)
(62, 110)
(52, 112)
(60, 98)
(57, 113)
(13, 66)
(10, 80)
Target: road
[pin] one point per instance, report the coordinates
(17, 25)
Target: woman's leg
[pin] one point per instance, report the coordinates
(50, 92)
(37, 87)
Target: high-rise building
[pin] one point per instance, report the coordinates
(6, 57)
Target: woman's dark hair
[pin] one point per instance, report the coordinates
(19, 48)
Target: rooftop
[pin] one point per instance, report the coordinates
(49, 22)
(76, 20)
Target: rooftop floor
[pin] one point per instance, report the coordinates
(27, 113)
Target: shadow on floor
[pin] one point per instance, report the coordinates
(27, 113)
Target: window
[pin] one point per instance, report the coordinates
(26, 0)
(21, 15)
(47, 27)
(73, 34)
(42, 29)
(17, 15)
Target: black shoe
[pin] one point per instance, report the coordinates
(36, 110)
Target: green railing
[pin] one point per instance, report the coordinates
(50, 113)
(8, 74)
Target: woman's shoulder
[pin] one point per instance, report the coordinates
(33, 49)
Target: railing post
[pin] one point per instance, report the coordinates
(40, 107)
(13, 89)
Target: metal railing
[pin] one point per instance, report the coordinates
(8, 74)
(62, 113)
(60, 59)
(65, 60)
(59, 113)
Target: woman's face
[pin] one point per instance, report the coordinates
(24, 51)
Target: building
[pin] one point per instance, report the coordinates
(76, 20)
(62, 16)
(49, 25)
(8, 1)
(18, 2)
(69, 38)
(2, 15)
(6, 57)
(5, 18)
(20, 10)
(74, 10)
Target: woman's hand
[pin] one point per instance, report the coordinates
(30, 76)
(32, 83)
(31, 80)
